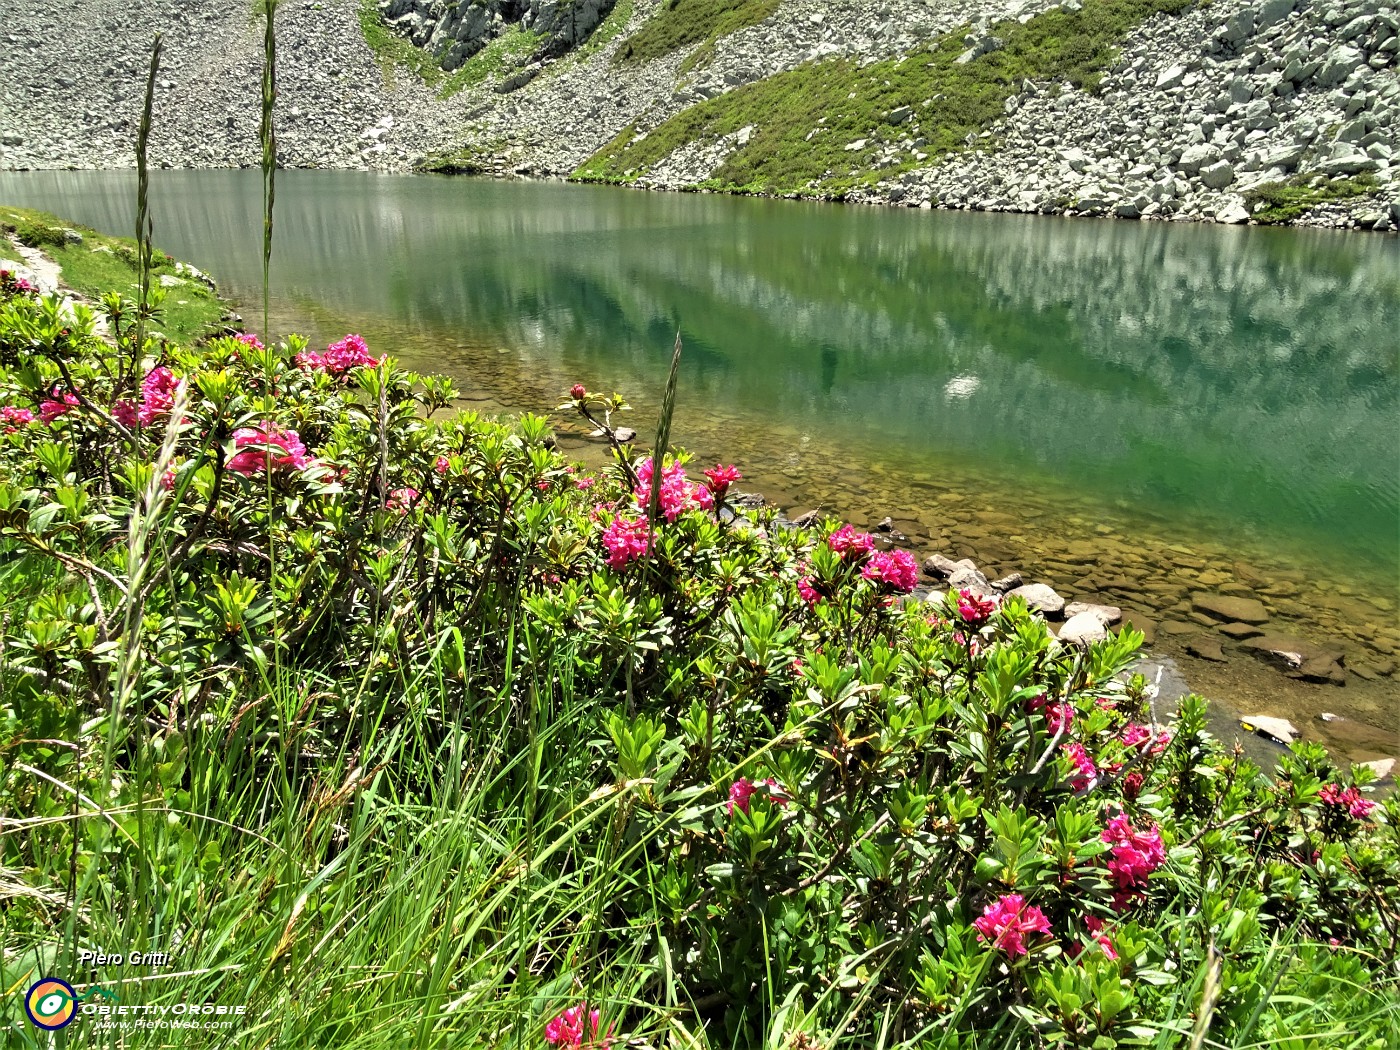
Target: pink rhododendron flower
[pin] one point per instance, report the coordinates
(1135, 856)
(167, 480)
(742, 790)
(1132, 784)
(578, 391)
(975, 609)
(157, 398)
(440, 464)
(1059, 716)
(626, 541)
(338, 358)
(809, 593)
(12, 418)
(1349, 799)
(252, 459)
(576, 1024)
(677, 494)
(585, 483)
(58, 405)
(401, 499)
(846, 540)
(895, 568)
(1095, 927)
(1005, 922)
(720, 477)
(1135, 735)
(249, 339)
(1086, 773)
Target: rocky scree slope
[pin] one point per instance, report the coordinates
(1227, 111)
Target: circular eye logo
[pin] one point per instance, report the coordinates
(50, 1004)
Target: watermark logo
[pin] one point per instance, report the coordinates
(51, 1004)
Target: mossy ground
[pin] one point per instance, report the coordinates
(394, 52)
(1287, 201)
(491, 62)
(101, 264)
(685, 23)
(806, 121)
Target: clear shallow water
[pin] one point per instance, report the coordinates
(1011, 385)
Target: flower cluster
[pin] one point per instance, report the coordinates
(1135, 855)
(1059, 716)
(742, 790)
(894, 568)
(575, 1024)
(847, 541)
(58, 404)
(1007, 921)
(1086, 774)
(626, 541)
(157, 397)
(677, 493)
(719, 477)
(255, 443)
(250, 340)
(11, 418)
(12, 285)
(338, 358)
(1348, 799)
(401, 500)
(974, 608)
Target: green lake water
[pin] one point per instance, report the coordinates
(1080, 400)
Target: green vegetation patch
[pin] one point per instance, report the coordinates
(99, 264)
(464, 160)
(393, 51)
(491, 62)
(684, 23)
(818, 128)
(1285, 202)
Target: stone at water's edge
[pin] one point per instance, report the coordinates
(1229, 608)
(1278, 729)
(1041, 598)
(1110, 614)
(1085, 628)
(1240, 631)
(1206, 648)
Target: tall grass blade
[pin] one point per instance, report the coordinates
(663, 435)
(144, 226)
(268, 138)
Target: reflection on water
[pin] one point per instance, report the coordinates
(1235, 389)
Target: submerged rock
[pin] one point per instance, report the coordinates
(1280, 730)
(1230, 608)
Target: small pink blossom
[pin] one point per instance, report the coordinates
(338, 358)
(1095, 927)
(846, 540)
(677, 494)
(1135, 855)
(12, 418)
(252, 458)
(585, 483)
(1059, 716)
(401, 500)
(1086, 773)
(895, 568)
(1135, 735)
(1132, 784)
(975, 609)
(809, 592)
(167, 480)
(58, 404)
(249, 339)
(718, 478)
(1007, 920)
(1349, 799)
(569, 1029)
(626, 541)
(742, 790)
(441, 464)
(578, 391)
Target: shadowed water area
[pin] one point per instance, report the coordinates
(1135, 413)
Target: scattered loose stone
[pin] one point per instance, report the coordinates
(1008, 582)
(1206, 648)
(1110, 614)
(1231, 609)
(1083, 629)
(1040, 598)
(1240, 630)
(1280, 730)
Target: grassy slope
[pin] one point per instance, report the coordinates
(805, 118)
(393, 51)
(101, 264)
(684, 23)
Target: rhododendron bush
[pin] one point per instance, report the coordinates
(913, 819)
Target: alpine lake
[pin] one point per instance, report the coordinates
(1154, 416)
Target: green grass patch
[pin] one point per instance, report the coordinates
(608, 30)
(464, 160)
(807, 119)
(394, 52)
(684, 23)
(1285, 202)
(491, 62)
(103, 264)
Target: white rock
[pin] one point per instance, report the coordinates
(1279, 729)
(1083, 629)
